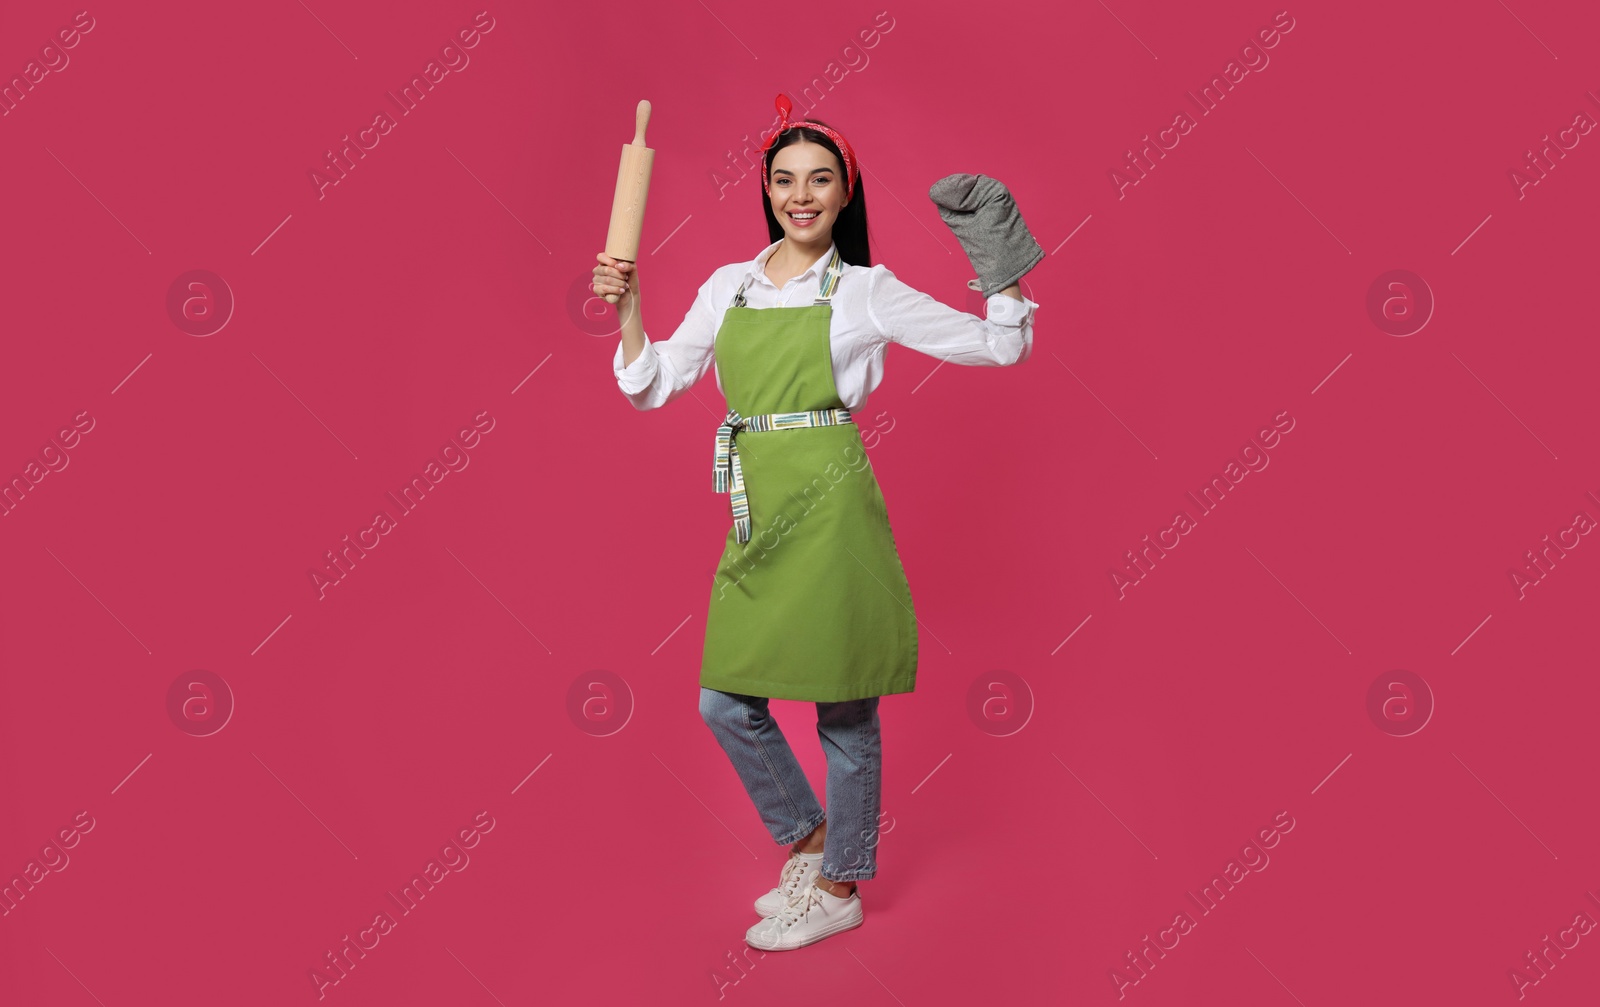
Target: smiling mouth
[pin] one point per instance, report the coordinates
(811, 215)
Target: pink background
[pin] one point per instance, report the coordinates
(1027, 847)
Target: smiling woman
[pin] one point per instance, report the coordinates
(806, 199)
(797, 338)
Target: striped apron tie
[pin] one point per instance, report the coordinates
(728, 475)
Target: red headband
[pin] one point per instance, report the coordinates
(784, 107)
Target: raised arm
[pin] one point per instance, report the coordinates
(905, 315)
(665, 370)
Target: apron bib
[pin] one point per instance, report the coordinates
(809, 601)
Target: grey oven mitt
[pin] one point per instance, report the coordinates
(984, 218)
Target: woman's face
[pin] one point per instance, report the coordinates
(805, 178)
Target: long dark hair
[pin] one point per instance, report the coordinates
(850, 227)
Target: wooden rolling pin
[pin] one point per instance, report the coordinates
(627, 204)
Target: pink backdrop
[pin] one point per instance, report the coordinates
(1353, 244)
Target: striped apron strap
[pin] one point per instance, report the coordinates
(727, 474)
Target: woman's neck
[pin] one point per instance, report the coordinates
(789, 259)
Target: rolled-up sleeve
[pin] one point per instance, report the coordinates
(905, 315)
(663, 371)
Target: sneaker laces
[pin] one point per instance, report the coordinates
(798, 906)
(793, 871)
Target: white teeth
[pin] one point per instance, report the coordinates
(802, 216)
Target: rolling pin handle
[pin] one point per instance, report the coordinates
(642, 119)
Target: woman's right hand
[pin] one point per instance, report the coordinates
(617, 277)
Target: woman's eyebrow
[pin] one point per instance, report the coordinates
(786, 171)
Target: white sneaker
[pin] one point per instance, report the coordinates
(797, 874)
(805, 919)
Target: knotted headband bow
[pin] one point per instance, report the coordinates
(784, 107)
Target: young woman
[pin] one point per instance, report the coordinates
(809, 601)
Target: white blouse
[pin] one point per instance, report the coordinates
(871, 309)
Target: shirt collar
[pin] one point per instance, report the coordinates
(757, 270)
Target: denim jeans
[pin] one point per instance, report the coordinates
(852, 742)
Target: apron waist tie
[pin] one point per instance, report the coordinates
(728, 475)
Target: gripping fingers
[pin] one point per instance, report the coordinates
(604, 285)
(611, 277)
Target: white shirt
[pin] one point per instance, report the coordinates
(871, 309)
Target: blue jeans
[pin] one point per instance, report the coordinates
(852, 742)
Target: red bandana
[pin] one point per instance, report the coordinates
(784, 107)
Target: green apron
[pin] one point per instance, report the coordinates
(814, 605)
